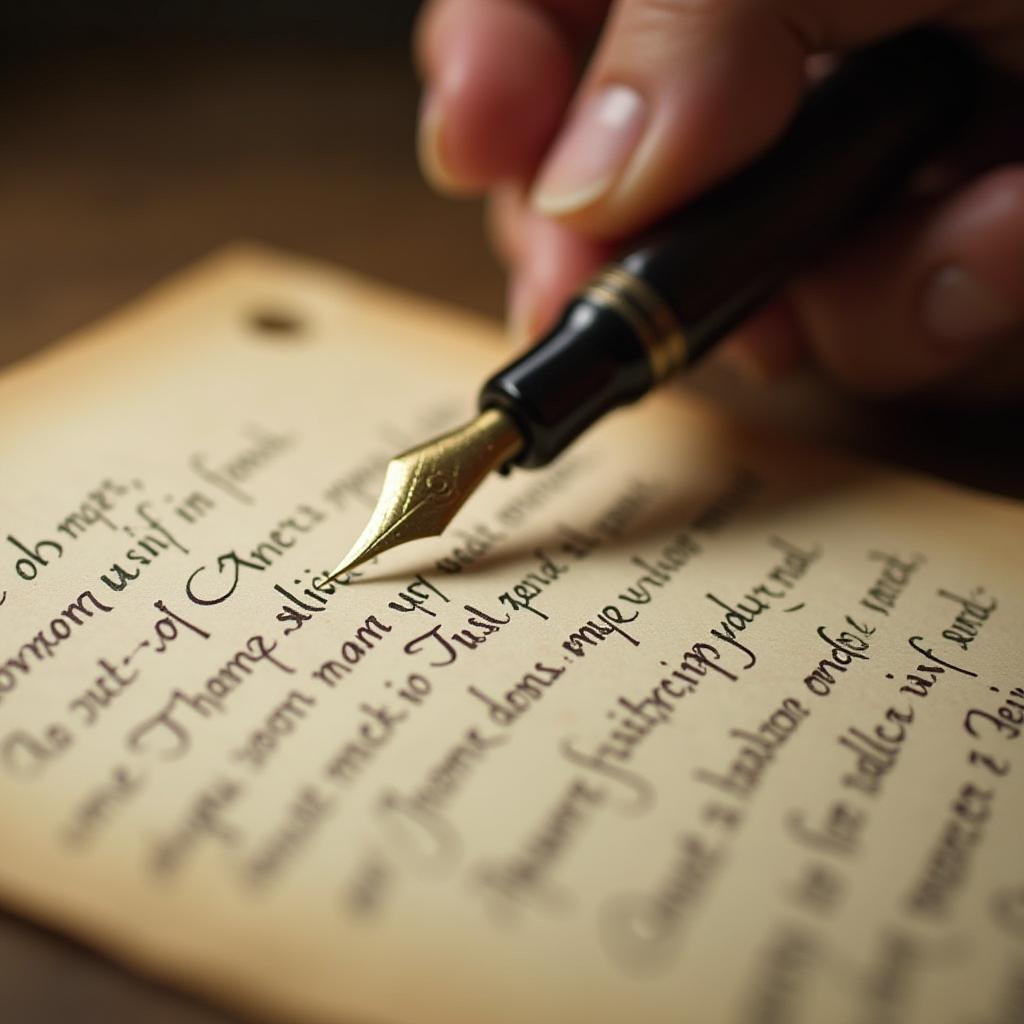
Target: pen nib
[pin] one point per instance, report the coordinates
(425, 486)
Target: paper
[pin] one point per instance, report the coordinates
(693, 726)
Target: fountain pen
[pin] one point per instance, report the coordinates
(699, 274)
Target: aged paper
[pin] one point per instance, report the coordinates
(692, 726)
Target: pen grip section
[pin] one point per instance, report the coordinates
(592, 362)
(854, 141)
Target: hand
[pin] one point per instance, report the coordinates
(677, 94)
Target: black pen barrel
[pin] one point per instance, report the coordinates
(707, 268)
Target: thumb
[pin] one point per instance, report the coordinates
(679, 94)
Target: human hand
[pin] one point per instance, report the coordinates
(676, 95)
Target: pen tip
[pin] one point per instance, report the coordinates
(425, 486)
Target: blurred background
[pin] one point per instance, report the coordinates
(137, 135)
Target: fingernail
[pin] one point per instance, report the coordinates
(960, 310)
(428, 146)
(592, 151)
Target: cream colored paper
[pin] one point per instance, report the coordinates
(693, 726)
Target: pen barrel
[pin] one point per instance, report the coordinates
(849, 148)
(706, 269)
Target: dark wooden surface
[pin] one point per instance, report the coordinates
(120, 164)
(123, 161)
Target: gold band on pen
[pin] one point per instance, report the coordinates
(653, 322)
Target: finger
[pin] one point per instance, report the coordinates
(915, 302)
(767, 347)
(498, 74)
(549, 264)
(506, 210)
(676, 94)
(681, 93)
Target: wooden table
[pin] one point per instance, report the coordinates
(120, 164)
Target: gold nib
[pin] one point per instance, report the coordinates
(424, 487)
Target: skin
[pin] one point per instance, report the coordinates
(930, 297)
